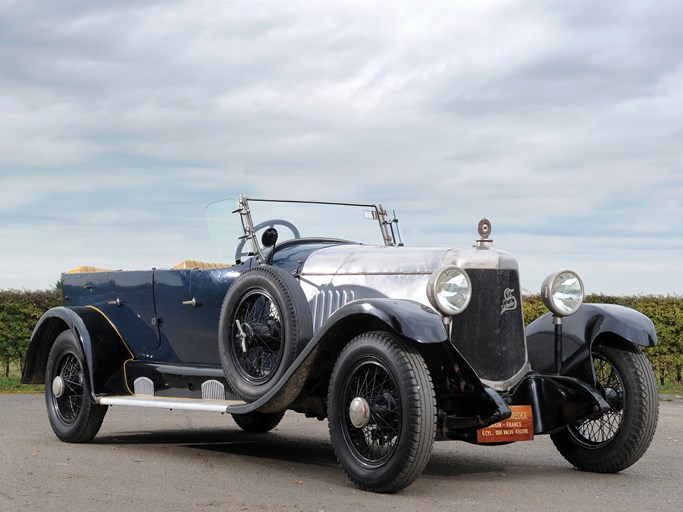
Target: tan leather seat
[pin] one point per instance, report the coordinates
(201, 265)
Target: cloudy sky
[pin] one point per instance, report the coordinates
(562, 122)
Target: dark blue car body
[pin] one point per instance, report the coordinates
(165, 338)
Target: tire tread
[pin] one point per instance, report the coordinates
(414, 376)
(637, 430)
(91, 415)
(294, 308)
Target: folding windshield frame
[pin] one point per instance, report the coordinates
(388, 228)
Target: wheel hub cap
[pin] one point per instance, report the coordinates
(359, 412)
(58, 387)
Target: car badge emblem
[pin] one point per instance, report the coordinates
(509, 301)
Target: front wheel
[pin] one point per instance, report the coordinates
(382, 412)
(619, 437)
(74, 417)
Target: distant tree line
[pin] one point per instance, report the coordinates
(21, 309)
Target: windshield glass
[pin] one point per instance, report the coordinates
(229, 221)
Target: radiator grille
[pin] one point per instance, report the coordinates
(490, 332)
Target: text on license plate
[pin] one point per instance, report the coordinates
(518, 427)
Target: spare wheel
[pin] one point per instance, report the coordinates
(265, 322)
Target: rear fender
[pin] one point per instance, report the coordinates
(580, 331)
(104, 350)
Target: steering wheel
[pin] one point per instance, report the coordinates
(240, 252)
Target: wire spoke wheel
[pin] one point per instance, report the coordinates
(69, 404)
(258, 336)
(597, 432)
(374, 442)
(73, 415)
(265, 322)
(381, 412)
(619, 437)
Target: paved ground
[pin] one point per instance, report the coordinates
(150, 460)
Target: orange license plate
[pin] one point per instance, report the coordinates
(519, 427)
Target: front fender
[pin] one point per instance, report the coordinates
(404, 317)
(104, 351)
(580, 331)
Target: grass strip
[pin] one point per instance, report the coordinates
(14, 385)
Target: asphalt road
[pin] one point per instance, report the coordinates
(149, 460)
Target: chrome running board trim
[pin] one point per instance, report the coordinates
(183, 404)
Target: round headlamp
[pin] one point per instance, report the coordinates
(562, 292)
(449, 290)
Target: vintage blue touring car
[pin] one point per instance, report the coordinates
(395, 346)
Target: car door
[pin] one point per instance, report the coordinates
(188, 305)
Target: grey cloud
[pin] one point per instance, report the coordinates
(561, 121)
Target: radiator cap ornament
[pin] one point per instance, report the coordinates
(484, 229)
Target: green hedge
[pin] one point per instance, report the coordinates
(19, 312)
(666, 312)
(20, 309)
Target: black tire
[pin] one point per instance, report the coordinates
(258, 422)
(388, 380)
(265, 323)
(74, 417)
(619, 437)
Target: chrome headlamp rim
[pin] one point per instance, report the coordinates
(552, 302)
(434, 287)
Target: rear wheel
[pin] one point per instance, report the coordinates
(618, 438)
(74, 417)
(258, 422)
(382, 412)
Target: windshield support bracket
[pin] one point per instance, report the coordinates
(248, 225)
